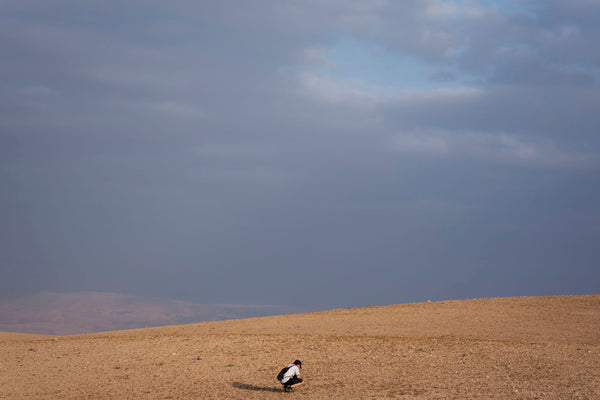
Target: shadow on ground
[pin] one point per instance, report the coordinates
(247, 386)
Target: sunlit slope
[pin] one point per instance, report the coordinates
(21, 337)
(562, 319)
(511, 348)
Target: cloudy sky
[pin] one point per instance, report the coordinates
(300, 152)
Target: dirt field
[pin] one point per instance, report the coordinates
(509, 348)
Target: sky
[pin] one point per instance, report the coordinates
(331, 153)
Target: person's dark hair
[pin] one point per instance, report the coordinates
(298, 363)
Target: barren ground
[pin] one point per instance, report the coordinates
(507, 348)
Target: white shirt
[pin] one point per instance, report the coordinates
(292, 371)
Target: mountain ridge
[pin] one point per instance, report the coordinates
(49, 313)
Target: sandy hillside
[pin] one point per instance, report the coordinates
(511, 348)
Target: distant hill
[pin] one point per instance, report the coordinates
(501, 348)
(73, 313)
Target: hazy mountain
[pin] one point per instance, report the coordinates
(71, 313)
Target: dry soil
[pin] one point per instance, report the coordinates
(505, 348)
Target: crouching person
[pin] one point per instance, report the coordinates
(291, 376)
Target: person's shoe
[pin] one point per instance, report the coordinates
(287, 389)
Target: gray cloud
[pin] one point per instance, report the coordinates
(197, 151)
